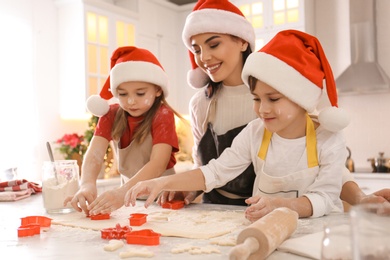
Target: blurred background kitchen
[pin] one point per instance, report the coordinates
(55, 53)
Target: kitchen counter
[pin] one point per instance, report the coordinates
(61, 242)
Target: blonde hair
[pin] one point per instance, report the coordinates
(144, 127)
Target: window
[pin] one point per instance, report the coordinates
(271, 16)
(99, 47)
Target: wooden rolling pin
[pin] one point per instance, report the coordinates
(262, 237)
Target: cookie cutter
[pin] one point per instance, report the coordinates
(29, 230)
(117, 232)
(39, 220)
(174, 204)
(31, 225)
(137, 219)
(143, 237)
(100, 216)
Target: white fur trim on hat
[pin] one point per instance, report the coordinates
(197, 78)
(217, 21)
(97, 105)
(333, 119)
(138, 71)
(282, 77)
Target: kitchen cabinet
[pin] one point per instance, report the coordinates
(371, 182)
(88, 32)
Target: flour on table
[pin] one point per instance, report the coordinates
(195, 250)
(187, 222)
(136, 253)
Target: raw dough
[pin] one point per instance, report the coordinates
(113, 245)
(224, 241)
(187, 223)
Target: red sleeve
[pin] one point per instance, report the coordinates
(105, 123)
(164, 131)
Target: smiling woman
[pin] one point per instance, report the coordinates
(17, 101)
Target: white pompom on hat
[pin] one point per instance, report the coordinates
(214, 16)
(128, 63)
(294, 64)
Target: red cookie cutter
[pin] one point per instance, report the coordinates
(29, 230)
(38, 220)
(137, 219)
(143, 237)
(174, 204)
(100, 216)
(31, 225)
(117, 232)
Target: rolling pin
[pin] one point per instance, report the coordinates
(263, 236)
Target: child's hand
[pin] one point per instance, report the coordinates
(259, 207)
(150, 187)
(107, 202)
(84, 196)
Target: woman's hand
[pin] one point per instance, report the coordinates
(259, 207)
(187, 196)
(83, 197)
(151, 187)
(107, 202)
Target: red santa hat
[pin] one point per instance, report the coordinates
(295, 64)
(128, 63)
(214, 16)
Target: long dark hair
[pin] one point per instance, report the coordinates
(213, 87)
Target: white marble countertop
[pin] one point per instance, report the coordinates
(60, 242)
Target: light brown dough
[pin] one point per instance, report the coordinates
(197, 224)
(113, 245)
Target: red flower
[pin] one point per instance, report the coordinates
(71, 143)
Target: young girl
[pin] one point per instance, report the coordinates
(142, 127)
(298, 159)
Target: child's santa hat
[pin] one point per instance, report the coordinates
(214, 16)
(128, 64)
(295, 64)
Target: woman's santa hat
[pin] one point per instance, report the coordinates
(295, 64)
(214, 16)
(128, 64)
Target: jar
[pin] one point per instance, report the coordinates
(60, 180)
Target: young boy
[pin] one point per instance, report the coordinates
(298, 159)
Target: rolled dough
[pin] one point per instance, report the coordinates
(187, 223)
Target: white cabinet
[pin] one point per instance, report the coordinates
(88, 32)
(371, 182)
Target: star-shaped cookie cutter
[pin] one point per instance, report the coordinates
(117, 232)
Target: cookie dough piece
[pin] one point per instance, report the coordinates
(224, 241)
(113, 245)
